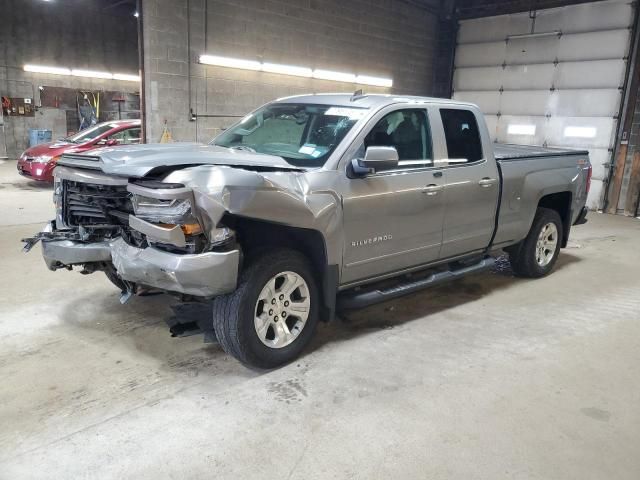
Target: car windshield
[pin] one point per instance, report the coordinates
(302, 134)
(91, 133)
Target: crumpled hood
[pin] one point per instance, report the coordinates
(139, 160)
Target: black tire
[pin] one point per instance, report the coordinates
(523, 255)
(233, 314)
(115, 279)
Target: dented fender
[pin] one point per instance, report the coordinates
(297, 199)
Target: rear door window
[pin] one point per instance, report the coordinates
(462, 135)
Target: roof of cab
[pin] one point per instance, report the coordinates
(364, 100)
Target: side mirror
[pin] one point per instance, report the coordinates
(111, 142)
(376, 159)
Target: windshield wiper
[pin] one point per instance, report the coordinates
(243, 147)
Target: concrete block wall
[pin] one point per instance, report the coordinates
(387, 38)
(68, 33)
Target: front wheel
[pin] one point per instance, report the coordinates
(536, 255)
(272, 315)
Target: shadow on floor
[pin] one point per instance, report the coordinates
(141, 322)
(427, 302)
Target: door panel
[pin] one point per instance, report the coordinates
(470, 196)
(391, 222)
(472, 185)
(393, 219)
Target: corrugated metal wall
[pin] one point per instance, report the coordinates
(550, 78)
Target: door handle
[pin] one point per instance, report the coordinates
(432, 189)
(486, 182)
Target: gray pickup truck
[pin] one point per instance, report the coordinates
(311, 204)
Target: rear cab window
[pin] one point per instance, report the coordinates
(462, 135)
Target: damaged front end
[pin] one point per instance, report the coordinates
(145, 234)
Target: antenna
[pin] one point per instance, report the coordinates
(357, 95)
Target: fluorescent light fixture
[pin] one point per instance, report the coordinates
(80, 73)
(295, 71)
(287, 70)
(44, 69)
(335, 76)
(513, 129)
(580, 132)
(124, 76)
(377, 81)
(230, 62)
(91, 74)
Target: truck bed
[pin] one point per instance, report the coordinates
(509, 151)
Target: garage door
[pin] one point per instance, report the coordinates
(552, 77)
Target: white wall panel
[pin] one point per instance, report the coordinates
(506, 135)
(480, 55)
(602, 127)
(584, 103)
(478, 78)
(525, 102)
(488, 102)
(586, 17)
(590, 74)
(530, 50)
(492, 29)
(594, 46)
(528, 77)
(551, 82)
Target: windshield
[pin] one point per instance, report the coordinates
(91, 133)
(303, 134)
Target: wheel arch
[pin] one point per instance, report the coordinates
(561, 203)
(255, 236)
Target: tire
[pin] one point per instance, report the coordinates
(532, 259)
(259, 302)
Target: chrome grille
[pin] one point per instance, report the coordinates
(94, 204)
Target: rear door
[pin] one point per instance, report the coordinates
(393, 219)
(472, 184)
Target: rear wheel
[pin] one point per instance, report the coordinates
(272, 315)
(536, 255)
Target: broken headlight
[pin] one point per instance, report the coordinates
(175, 211)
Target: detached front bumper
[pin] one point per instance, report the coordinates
(204, 274)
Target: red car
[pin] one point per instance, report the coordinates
(38, 162)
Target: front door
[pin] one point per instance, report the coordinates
(472, 185)
(393, 219)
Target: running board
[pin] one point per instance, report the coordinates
(370, 297)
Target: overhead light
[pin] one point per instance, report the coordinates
(513, 129)
(335, 76)
(230, 62)
(377, 81)
(91, 74)
(295, 71)
(580, 132)
(44, 69)
(287, 70)
(124, 76)
(80, 73)
(136, 14)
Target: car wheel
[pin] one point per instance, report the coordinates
(536, 255)
(273, 313)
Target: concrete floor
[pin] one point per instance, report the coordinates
(492, 377)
